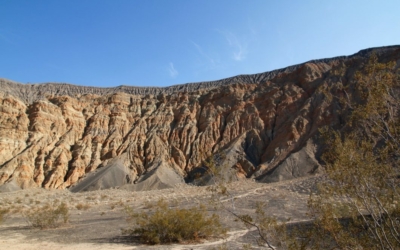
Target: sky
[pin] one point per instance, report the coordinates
(108, 43)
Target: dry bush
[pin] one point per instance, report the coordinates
(81, 206)
(362, 165)
(168, 225)
(91, 198)
(48, 216)
(3, 213)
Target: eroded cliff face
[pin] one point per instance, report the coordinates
(262, 126)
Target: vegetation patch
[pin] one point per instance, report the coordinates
(48, 216)
(169, 225)
(3, 213)
(82, 206)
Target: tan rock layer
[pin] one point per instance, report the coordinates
(52, 141)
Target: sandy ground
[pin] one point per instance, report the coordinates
(99, 227)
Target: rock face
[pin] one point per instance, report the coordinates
(51, 135)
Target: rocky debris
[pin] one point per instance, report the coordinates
(113, 175)
(53, 135)
(297, 164)
(10, 186)
(160, 177)
(307, 185)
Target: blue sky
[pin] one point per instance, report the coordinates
(161, 43)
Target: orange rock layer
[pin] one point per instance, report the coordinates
(53, 141)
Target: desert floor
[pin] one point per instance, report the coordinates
(99, 226)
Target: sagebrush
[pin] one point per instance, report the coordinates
(168, 225)
(3, 213)
(48, 216)
(358, 208)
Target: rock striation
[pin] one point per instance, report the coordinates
(266, 126)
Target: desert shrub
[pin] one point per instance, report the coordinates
(81, 206)
(362, 165)
(3, 213)
(167, 225)
(48, 216)
(91, 198)
(271, 233)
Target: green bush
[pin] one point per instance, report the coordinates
(166, 225)
(48, 216)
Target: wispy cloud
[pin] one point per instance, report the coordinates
(172, 71)
(239, 48)
(252, 28)
(212, 63)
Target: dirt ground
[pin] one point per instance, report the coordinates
(99, 226)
